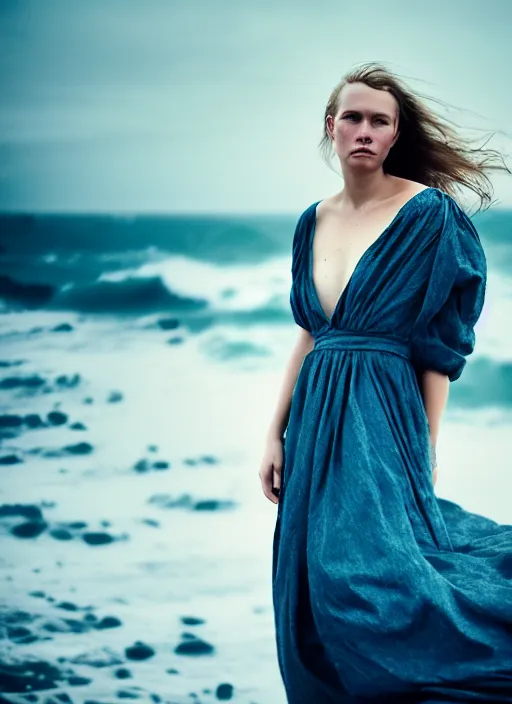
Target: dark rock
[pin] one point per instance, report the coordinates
(139, 651)
(10, 459)
(224, 691)
(213, 505)
(161, 465)
(63, 327)
(33, 420)
(67, 606)
(63, 697)
(123, 673)
(60, 534)
(10, 421)
(57, 418)
(151, 522)
(108, 622)
(68, 382)
(168, 323)
(141, 466)
(115, 397)
(80, 448)
(77, 426)
(30, 529)
(192, 621)
(28, 511)
(28, 675)
(128, 694)
(17, 382)
(194, 646)
(21, 634)
(97, 538)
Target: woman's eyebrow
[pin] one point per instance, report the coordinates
(374, 114)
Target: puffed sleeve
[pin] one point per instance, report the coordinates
(443, 334)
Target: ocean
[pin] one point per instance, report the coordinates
(141, 361)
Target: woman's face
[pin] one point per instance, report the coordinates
(366, 117)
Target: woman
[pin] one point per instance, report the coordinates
(383, 592)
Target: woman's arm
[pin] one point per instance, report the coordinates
(272, 462)
(435, 387)
(304, 344)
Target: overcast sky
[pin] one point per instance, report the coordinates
(217, 105)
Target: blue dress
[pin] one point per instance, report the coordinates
(382, 591)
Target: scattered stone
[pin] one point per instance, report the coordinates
(77, 426)
(30, 529)
(61, 534)
(123, 673)
(151, 522)
(192, 621)
(80, 448)
(168, 323)
(141, 466)
(115, 397)
(186, 501)
(33, 420)
(29, 674)
(139, 651)
(10, 459)
(10, 421)
(99, 538)
(144, 465)
(205, 459)
(68, 382)
(57, 418)
(213, 505)
(20, 382)
(108, 622)
(224, 691)
(128, 694)
(63, 327)
(67, 606)
(193, 646)
(28, 511)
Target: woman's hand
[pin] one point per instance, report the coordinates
(270, 470)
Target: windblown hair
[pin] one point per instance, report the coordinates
(428, 149)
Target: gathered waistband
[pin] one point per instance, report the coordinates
(349, 340)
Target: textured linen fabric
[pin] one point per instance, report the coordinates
(382, 591)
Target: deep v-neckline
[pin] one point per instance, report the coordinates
(359, 262)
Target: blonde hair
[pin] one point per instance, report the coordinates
(428, 149)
